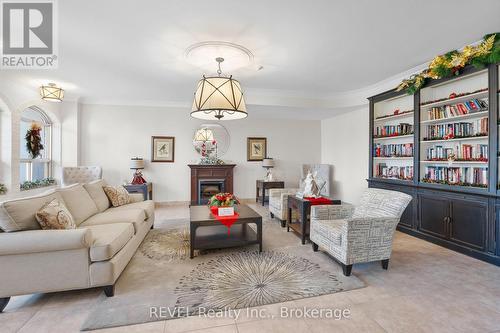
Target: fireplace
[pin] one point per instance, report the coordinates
(208, 188)
(207, 180)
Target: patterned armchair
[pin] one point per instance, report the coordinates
(278, 198)
(278, 203)
(81, 174)
(359, 234)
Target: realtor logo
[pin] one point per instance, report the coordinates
(28, 35)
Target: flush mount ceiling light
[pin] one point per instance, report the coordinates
(52, 93)
(218, 98)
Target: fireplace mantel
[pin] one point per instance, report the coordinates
(210, 172)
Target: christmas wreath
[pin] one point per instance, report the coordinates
(34, 140)
(449, 64)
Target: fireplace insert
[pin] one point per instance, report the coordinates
(208, 188)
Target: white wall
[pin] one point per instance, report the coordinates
(111, 135)
(344, 145)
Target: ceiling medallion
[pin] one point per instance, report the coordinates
(235, 56)
(218, 98)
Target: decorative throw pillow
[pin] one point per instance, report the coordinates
(118, 195)
(55, 215)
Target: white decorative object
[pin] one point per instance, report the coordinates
(268, 163)
(226, 211)
(311, 187)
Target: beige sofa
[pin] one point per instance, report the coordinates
(92, 255)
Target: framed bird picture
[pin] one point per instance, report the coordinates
(162, 149)
(256, 149)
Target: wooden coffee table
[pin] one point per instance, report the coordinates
(208, 233)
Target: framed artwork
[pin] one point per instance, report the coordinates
(256, 149)
(162, 149)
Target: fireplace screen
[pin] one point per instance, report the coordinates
(208, 188)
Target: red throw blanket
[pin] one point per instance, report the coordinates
(318, 201)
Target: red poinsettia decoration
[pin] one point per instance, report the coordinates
(223, 200)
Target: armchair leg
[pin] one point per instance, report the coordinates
(315, 246)
(385, 263)
(346, 269)
(3, 303)
(283, 223)
(109, 291)
(272, 215)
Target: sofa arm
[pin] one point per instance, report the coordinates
(136, 197)
(34, 241)
(332, 212)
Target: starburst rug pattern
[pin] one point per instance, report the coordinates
(161, 275)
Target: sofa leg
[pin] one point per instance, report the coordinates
(109, 290)
(272, 215)
(315, 247)
(346, 269)
(385, 263)
(152, 226)
(3, 303)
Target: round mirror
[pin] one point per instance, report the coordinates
(211, 140)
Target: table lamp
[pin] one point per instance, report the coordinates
(268, 163)
(137, 164)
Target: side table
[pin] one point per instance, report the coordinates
(301, 227)
(261, 186)
(146, 189)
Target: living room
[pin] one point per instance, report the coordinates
(249, 166)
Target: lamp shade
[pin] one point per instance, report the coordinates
(218, 98)
(268, 163)
(137, 163)
(51, 93)
(203, 135)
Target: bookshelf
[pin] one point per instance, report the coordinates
(393, 136)
(447, 134)
(455, 128)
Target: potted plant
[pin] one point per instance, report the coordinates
(222, 204)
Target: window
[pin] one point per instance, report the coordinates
(40, 168)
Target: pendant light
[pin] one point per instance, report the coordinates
(218, 98)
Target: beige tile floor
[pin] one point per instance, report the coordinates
(426, 289)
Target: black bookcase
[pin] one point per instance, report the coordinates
(462, 216)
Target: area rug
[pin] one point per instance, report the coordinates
(161, 282)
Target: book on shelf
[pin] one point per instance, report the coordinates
(393, 150)
(477, 127)
(462, 152)
(393, 130)
(467, 176)
(383, 170)
(459, 109)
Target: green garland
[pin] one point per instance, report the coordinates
(449, 64)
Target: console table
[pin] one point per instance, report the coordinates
(146, 189)
(261, 186)
(301, 227)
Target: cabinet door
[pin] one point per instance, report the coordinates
(469, 219)
(433, 210)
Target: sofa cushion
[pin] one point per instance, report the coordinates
(109, 239)
(79, 202)
(96, 192)
(118, 195)
(19, 214)
(55, 215)
(111, 216)
(330, 231)
(147, 206)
